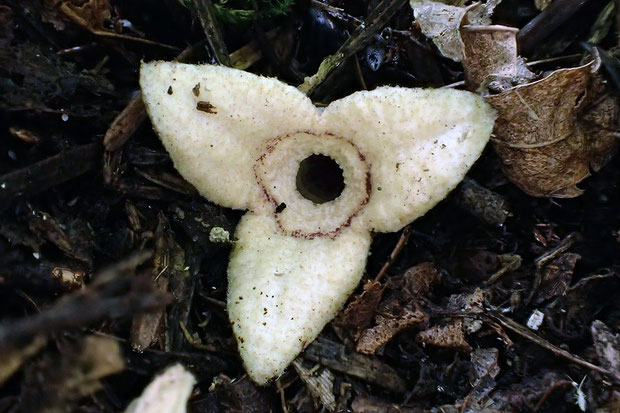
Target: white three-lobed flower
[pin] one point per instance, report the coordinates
(240, 139)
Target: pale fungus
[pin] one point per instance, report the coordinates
(315, 183)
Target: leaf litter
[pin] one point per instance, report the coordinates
(444, 326)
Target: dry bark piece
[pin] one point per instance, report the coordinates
(448, 336)
(362, 404)
(240, 396)
(334, 356)
(552, 132)
(398, 151)
(419, 279)
(167, 393)
(490, 207)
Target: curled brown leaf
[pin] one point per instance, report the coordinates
(552, 132)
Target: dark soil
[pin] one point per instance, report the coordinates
(92, 238)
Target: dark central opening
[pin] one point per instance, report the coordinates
(319, 179)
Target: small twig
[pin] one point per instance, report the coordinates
(371, 25)
(454, 85)
(282, 398)
(206, 13)
(402, 241)
(554, 59)
(526, 333)
(42, 175)
(112, 35)
(360, 74)
(336, 12)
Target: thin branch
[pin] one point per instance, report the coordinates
(362, 35)
(206, 13)
(402, 241)
(526, 333)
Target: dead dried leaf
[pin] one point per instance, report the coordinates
(551, 132)
(398, 311)
(419, 279)
(607, 346)
(391, 319)
(441, 23)
(360, 312)
(485, 363)
(88, 14)
(557, 276)
(448, 336)
(471, 302)
(490, 58)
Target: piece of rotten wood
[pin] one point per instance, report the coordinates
(486, 205)
(45, 174)
(334, 356)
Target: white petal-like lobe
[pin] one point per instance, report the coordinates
(419, 143)
(215, 148)
(282, 290)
